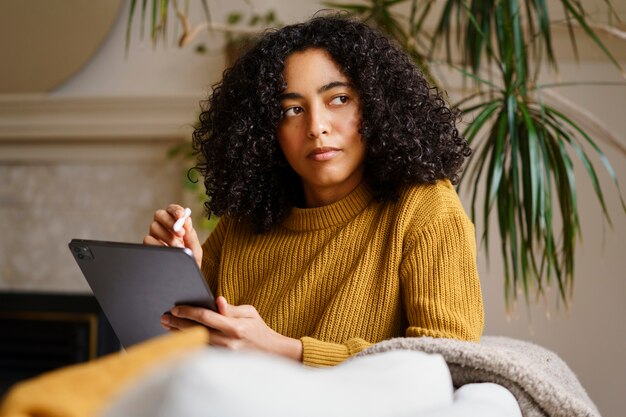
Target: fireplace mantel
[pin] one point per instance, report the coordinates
(37, 127)
(83, 167)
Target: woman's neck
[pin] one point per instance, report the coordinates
(320, 197)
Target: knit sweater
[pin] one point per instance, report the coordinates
(346, 275)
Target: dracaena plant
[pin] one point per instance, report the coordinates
(524, 137)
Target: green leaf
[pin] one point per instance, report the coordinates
(541, 10)
(588, 165)
(207, 11)
(445, 27)
(474, 76)
(129, 23)
(502, 23)
(144, 6)
(234, 18)
(566, 182)
(153, 22)
(518, 42)
(488, 109)
(580, 18)
(479, 121)
(417, 25)
(511, 227)
(539, 87)
(163, 18)
(544, 226)
(534, 167)
(497, 166)
(356, 8)
(461, 103)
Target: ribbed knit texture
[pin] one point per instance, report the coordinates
(346, 275)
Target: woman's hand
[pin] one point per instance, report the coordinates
(235, 327)
(161, 232)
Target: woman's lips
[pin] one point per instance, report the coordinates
(323, 154)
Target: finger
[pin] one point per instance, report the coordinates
(232, 328)
(222, 305)
(203, 316)
(167, 218)
(168, 328)
(176, 211)
(176, 323)
(164, 217)
(217, 338)
(159, 232)
(239, 312)
(191, 241)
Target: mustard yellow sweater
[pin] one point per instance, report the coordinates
(346, 275)
(338, 277)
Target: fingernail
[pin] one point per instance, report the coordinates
(165, 319)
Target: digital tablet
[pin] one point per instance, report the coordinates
(135, 284)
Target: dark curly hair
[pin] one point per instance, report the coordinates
(408, 130)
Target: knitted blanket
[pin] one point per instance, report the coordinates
(541, 382)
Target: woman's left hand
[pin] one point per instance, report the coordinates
(234, 327)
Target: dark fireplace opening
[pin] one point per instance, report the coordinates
(45, 331)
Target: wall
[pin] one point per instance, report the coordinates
(77, 183)
(591, 336)
(91, 168)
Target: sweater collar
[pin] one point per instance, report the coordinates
(307, 219)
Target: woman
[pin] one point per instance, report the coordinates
(331, 162)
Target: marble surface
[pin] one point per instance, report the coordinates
(43, 206)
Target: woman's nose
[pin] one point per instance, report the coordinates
(319, 123)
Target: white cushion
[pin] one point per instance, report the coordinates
(222, 383)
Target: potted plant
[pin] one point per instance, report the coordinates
(524, 138)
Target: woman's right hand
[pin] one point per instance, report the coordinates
(161, 232)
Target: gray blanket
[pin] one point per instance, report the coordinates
(542, 383)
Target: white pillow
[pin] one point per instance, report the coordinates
(216, 382)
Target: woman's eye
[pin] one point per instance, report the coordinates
(339, 100)
(292, 111)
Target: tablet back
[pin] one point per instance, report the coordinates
(135, 284)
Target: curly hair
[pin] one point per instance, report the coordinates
(408, 129)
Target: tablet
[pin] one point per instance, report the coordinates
(135, 284)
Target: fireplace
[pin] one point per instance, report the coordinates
(45, 331)
(63, 160)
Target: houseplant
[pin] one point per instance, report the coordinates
(523, 136)
(522, 145)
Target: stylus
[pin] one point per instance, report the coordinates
(179, 223)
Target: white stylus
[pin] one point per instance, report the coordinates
(180, 222)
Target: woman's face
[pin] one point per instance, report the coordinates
(319, 131)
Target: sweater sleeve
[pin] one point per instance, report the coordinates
(440, 290)
(318, 353)
(439, 281)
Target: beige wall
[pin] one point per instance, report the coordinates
(591, 337)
